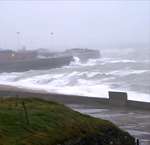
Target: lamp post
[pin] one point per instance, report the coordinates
(52, 40)
(18, 39)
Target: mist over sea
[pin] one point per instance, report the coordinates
(118, 70)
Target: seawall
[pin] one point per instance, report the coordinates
(118, 99)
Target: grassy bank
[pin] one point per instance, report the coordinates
(39, 122)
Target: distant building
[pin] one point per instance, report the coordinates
(9, 55)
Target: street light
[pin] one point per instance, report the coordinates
(52, 39)
(18, 39)
(52, 33)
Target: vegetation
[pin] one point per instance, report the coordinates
(39, 122)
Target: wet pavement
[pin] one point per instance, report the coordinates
(136, 122)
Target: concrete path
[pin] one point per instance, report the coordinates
(136, 122)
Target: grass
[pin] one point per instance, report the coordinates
(40, 122)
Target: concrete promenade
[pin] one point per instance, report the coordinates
(116, 99)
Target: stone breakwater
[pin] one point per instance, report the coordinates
(35, 64)
(12, 61)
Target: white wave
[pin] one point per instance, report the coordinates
(102, 61)
(81, 87)
(61, 85)
(92, 62)
(127, 72)
(92, 74)
(123, 61)
(109, 60)
(99, 61)
(91, 82)
(8, 77)
(77, 62)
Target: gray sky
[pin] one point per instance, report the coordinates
(89, 24)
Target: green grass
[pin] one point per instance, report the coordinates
(51, 123)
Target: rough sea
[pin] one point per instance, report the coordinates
(118, 70)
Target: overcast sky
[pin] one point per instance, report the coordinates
(97, 24)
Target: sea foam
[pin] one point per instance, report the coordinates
(93, 78)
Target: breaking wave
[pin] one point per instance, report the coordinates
(93, 78)
(77, 62)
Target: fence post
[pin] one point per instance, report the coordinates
(137, 142)
(25, 112)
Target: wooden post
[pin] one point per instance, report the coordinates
(137, 142)
(17, 97)
(25, 112)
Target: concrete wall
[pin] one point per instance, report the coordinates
(75, 99)
(118, 98)
(139, 105)
(61, 98)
